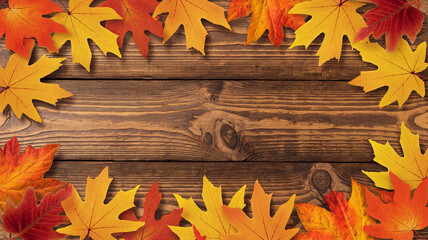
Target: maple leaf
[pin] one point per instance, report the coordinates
(402, 217)
(398, 70)
(394, 18)
(412, 168)
(136, 19)
(92, 218)
(345, 221)
(22, 19)
(21, 85)
(198, 234)
(153, 229)
(269, 15)
(17, 172)
(211, 223)
(334, 18)
(83, 22)
(30, 221)
(239, 8)
(189, 13)
(262, 225)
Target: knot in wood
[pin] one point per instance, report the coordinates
(229, 136)
(321, 179)
(208, 138)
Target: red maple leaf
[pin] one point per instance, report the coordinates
(31, 222)
(153, 229)
(394, 18)
(23, 19)
(403, 216)
(198, 234)
(137, 18)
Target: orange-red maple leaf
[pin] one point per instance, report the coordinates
(23, 19)
(269, 15)
(137, 18)
(153, 229)
(403, 216)
(394, 18)
(17, 172)
(345, 221)
(30, 221)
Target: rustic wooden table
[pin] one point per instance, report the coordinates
(238, 114)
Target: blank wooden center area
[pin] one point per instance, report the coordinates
(238, 114)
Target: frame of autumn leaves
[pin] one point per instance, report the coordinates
(370, 213)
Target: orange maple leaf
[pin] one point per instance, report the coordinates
(262, 225)
(23, 19)
(136, 19)
(17, 172)
(269, 15)
(403, 216)
(189, 13)
(345, 221)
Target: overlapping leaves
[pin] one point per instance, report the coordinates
(399, 214)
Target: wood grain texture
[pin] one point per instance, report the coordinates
(226, 58)
(312, 121)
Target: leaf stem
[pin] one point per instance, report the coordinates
(419, 235)
(5, 4)
(421, 76)
(3, 89)
(63, 5)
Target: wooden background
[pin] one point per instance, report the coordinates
(238, 114)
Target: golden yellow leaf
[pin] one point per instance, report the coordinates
(189, 13)
(334, 18)
(398, 70)
(83, 22)
(411, 169)
(21, 85)
(211, 223)
(92, 218)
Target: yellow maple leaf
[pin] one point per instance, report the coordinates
(189, 13)
(21, 85)
(411, 169)
(262, 226)
(334, 18)
(92, 218)
(83, 22)
(345, 221)
(397, 70)
(211, 223)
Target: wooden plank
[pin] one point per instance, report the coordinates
(226, 58)
(310, 121)
(309, 181)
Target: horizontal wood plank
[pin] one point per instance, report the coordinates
(226, 58)
(309, 121)
(309, 181)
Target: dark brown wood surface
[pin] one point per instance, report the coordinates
(238, 114)
(312, 121)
